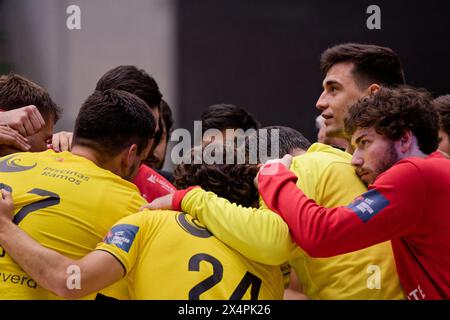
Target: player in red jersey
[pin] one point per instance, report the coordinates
(395, 135)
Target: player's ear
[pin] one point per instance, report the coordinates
(130, 155)
(406, 141)
(373, 88)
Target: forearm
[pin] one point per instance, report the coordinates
(258, 234)
(321, 232)
(48, 268)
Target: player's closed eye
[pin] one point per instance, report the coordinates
(363, 143)
(332, 89)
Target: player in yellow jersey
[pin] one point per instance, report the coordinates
(68, 201)
(165, 254)
(326, 175)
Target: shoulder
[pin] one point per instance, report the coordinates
(320, 159)
(406, 172)
(322, 155)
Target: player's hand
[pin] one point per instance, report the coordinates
(62, 141)
(286, 161)
(26, 120)
(6, 206)
(161, 203)
(12, 141)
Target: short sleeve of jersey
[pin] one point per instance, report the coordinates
(122, 241)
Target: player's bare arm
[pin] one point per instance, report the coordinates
(50, 269)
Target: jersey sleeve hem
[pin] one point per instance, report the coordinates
(115, 257)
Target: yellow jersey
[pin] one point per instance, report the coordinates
(325, 175)
(169, 255)
(66, 203)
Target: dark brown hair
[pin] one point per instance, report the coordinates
(17, 92)
(442, 105)
(112, 120)
(393, 111)
(136, 81)
(132, 80)
(230, 181)
(227, 116)
(372, 64)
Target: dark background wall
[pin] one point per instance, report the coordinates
(264, 55)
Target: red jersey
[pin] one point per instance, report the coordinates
(151, 184)
(408, 204)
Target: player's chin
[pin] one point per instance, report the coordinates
(368, 178)
(333, 131)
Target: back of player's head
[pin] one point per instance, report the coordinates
(372, 64)
(232, 181)
(133, 80)
(393, 111)
(17, 92)
(227, 116)
(289, 140)
(112, 120)
(442, 105)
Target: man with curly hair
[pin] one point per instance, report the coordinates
(395, 136)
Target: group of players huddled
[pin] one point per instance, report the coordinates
(364, 213)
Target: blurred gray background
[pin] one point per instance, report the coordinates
(37, 44)
(261, 55)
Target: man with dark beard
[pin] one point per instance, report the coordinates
(395, 136)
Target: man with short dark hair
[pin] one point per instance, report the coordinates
(136, 81)
(18, 92)
(395, 135)
(64, 200)
(353, 71)
(442, 105)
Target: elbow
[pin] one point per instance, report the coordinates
(314, 249)
(271, 259)
(276, 256)
(68, 293)
(272, 253)
(66, 286)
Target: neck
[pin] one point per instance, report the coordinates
(95, 156)
(413, 153)
(413, 150)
